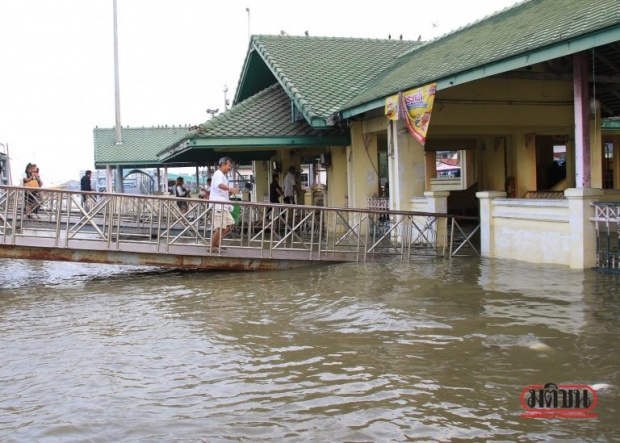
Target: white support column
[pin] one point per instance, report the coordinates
(108, 179)
(438, 204)
(582, 232)
(487, 247)
(393, 159)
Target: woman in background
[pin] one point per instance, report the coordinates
(32, 179)
(181, 192)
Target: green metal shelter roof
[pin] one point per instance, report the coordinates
(251, 130)
(536, 30)
(139, 148)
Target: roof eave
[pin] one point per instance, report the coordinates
(253, 142)
(550, 52)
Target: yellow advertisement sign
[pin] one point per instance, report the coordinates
(415, 106)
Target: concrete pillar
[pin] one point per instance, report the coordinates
(262, 179)
(582, 232)
(406, 167)
(581, 93)
(108, 176)
(119, 186)
(438, 204)
(361, 166)
(487, 247)
(337, 191)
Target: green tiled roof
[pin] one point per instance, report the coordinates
(266, 114)
(321, 74)
(262, 121)
(139, 148)
(523, 28)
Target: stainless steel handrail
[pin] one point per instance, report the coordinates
(127, 222)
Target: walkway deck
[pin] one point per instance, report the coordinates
(151, 230)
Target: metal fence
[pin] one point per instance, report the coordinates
(157, 224)
(607, 222)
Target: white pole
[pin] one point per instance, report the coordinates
(117, 95)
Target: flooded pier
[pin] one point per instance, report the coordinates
(153, 231)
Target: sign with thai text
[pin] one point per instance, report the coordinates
(558, 401)
(415, 107)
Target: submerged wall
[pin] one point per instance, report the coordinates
(542, 231)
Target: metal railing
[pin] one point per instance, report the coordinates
(156, 224)
(607, 223)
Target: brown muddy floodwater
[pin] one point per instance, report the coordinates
(432, 350)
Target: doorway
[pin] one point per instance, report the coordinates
(550, 162)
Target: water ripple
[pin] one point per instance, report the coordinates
(430, 351)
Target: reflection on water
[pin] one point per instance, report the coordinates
(433, 351)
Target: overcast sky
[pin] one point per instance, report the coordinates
(57, 61)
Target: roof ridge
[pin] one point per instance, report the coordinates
(275, 50)
(325, 37)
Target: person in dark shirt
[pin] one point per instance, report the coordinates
(85, 186)
(275, 191)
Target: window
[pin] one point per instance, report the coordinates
(447, 164)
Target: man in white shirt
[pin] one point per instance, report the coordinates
(220, 192)
(289, 186)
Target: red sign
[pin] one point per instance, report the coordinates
(563, 401)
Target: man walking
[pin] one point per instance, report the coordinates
(85, 186)
(220, 192)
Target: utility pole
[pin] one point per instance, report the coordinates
(118, 181)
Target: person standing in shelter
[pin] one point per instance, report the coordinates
(290, 186)
(275, 191)
(221, 192)
(181, 192)
(85, 186)
(208, 188)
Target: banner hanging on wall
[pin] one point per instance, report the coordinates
(415, 107)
